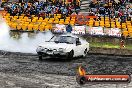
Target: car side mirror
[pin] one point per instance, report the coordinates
(78, 43)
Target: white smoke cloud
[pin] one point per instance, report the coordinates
(25, 44)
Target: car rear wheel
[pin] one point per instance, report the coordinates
(85, 53)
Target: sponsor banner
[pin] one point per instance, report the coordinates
(59, 28)
(79, 30)
(90, 30)
(83, 77)
(95, 30)
(112, 32)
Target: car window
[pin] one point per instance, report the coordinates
(65, 39)
(78, 41)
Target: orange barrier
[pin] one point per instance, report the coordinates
(91, 17)
(81, 19)
(86, 16)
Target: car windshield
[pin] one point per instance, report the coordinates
(63, 39)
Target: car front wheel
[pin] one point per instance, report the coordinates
(70, 54)
(40, 57)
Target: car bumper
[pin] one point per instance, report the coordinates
(53, 54)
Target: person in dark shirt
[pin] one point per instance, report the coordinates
(69, 28)
(102, 10)
(77, 8)
(92, 5)
(21, 10)
(15, 11)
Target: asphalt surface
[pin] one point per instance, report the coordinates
(26, 71)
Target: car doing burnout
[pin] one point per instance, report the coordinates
(66, 45)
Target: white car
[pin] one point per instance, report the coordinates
(66, 45)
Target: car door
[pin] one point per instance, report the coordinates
(79, 48)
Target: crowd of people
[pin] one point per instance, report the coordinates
(121, 9)
(42, 8)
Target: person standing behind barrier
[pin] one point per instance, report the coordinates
(69, 28)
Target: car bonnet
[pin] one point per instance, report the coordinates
(53, 45)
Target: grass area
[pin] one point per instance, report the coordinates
(129, 47)
(109, 45)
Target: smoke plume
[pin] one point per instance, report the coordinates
(24, 44)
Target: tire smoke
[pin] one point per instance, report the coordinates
(25, 44)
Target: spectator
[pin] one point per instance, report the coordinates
(102, 10)
(65, 12)
(69, 28)
(92, 5)
(36, 8)
(77, 8)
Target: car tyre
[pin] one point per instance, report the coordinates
(40, 57)
(70, 55)
(85, 52)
